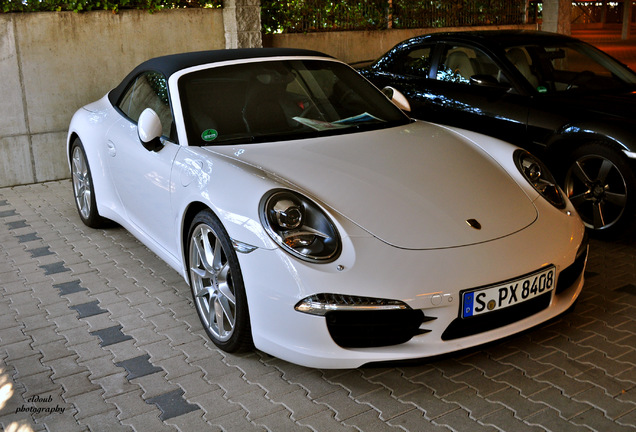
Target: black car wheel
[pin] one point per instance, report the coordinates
(602, 187)
(217, 284)
(83, 187)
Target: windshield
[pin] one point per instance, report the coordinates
(278, 100)
(570, 67)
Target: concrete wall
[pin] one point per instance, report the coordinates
(53, 63)
(358, 46)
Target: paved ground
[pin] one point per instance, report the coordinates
(609, 40)
(98, 334)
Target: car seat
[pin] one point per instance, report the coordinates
(459, 62)
(266, 97)
(519, 59)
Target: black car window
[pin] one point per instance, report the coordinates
(575, 66)
(458, 63)
(416, 62)
(522, 61)
(148, 91)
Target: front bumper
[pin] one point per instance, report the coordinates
(430, 282)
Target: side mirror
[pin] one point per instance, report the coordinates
(488, 81)
(397, 98)
(149, 130)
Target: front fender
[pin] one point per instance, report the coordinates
(618, 134)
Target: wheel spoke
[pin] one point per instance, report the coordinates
(604, 170)
(216, 259)
(225, 310)
(217, 316)
(204, 254)
(597, 210)
(580, 199)
(580, 173)
(78, 163)
(617, 199)
(227, 294)
(199, 272)
(223, 274)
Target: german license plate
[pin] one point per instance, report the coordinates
(497, 297)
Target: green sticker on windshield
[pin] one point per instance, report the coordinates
(209, 135)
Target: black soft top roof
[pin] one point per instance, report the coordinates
(169, 64)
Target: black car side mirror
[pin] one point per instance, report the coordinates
(488, 81)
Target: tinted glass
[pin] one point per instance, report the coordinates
(459, 63)
(417, 62)
(570, 67)
(278, 100)
(148, 91)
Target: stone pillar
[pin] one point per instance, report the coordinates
(242, 21)
(627, 19)
(603, 13)
(557, 16)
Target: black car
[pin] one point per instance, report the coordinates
(554, 95)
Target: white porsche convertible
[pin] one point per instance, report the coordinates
(314, 220)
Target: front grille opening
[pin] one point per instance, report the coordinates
(569, 275)
(463, 327)
(374, 328)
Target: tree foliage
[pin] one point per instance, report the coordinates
(89, 5)
(298, 16)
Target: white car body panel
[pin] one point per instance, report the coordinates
(375, 184)
(400, 240)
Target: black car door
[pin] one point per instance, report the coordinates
(469, 89)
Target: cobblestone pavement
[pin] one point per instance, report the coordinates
(96, 333)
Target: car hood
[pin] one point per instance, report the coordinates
(413, 187)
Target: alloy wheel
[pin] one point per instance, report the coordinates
(212, 284)
(81, 183)
(597, 190)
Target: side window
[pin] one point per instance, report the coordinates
(149, 90)
(417, 62)
(522, 61)
(459, 63)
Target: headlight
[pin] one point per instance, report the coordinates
(539, 177)
(299, 226)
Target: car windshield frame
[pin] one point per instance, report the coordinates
(601, 73)
(278, 99)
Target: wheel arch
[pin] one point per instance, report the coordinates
(190, 213)
(72, 136)
(561, 145)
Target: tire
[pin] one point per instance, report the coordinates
(83, 190)
(217, 285)
(601, 184)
